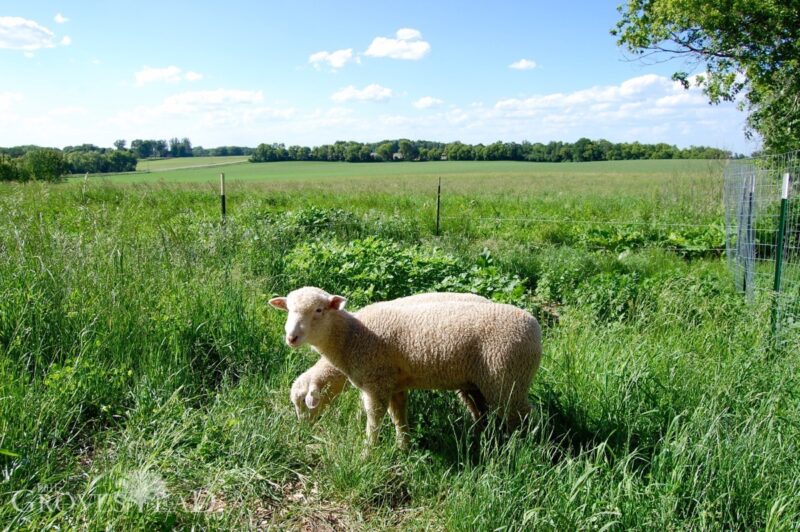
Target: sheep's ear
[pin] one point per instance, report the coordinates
(279, 303)
(337, 302)
(312, 400)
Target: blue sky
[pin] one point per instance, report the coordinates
(241, 73)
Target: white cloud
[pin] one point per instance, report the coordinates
(210, 118)
(70, 110)
(372, 93)
(408, 44)
(335, 60)
(9, 99)
(523, 64)
(170, 74)
(427, 102)
(648, 108)
(17, 33)
(408, 34)
(60, 19)
(66, 40)
(195, 101)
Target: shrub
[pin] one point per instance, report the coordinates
(564, 269)
(11, 170)
(374, 269)
(46, 164)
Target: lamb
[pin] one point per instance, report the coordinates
(316, 388)
(488, 351)
(320, 384)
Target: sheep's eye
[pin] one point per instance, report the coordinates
(319, 311)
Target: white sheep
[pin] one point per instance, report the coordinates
(320, 384)
(488, 351)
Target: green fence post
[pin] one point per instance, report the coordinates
(776, 286)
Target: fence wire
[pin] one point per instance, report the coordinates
(762, 233)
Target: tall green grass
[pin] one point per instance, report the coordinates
(144, 382)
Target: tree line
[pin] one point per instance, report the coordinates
(30, 162)
(25, 163)
(582, 150)
(174, 147)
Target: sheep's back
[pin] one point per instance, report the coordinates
(447, 344)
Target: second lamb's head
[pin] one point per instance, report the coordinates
(310, 314)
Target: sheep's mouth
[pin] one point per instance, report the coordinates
(293, 341)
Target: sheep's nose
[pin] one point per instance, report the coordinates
(291, 339)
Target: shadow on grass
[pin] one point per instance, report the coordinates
(442, 426)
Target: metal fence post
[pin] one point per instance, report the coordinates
(745, 239)
(779, 245)
(222, 194)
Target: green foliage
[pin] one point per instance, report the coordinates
(12, 170)
(564, 269)
(689, 241)
(98, 388)
(373, 269)
(747, 46)
(46, 164)
(420, 150)
(93, 160)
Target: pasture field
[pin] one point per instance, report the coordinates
(207, 169)
(158, 165)
(144, 381)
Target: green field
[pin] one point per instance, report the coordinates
(144, 381)
(159, 165)
(207, 169)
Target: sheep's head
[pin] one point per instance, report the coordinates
(309, 316)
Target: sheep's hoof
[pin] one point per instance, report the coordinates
(367, 451)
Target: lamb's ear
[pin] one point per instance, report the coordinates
(279, 303)
(337, 302)
(312, 399)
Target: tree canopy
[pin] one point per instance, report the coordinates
(749, 48)
(583, 149)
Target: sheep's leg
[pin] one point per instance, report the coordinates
(398, 409)
(375, 408)
(474, 401)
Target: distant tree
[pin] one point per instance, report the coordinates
(408, 150)
(11, 170)
(46, 164)
(160, 148)
(320, 153)
(185, 148)
(144, 149)
(353, 153)
(384, 151)
(120, 144)
(121, 161)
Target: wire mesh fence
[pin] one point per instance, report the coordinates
(762, 233)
